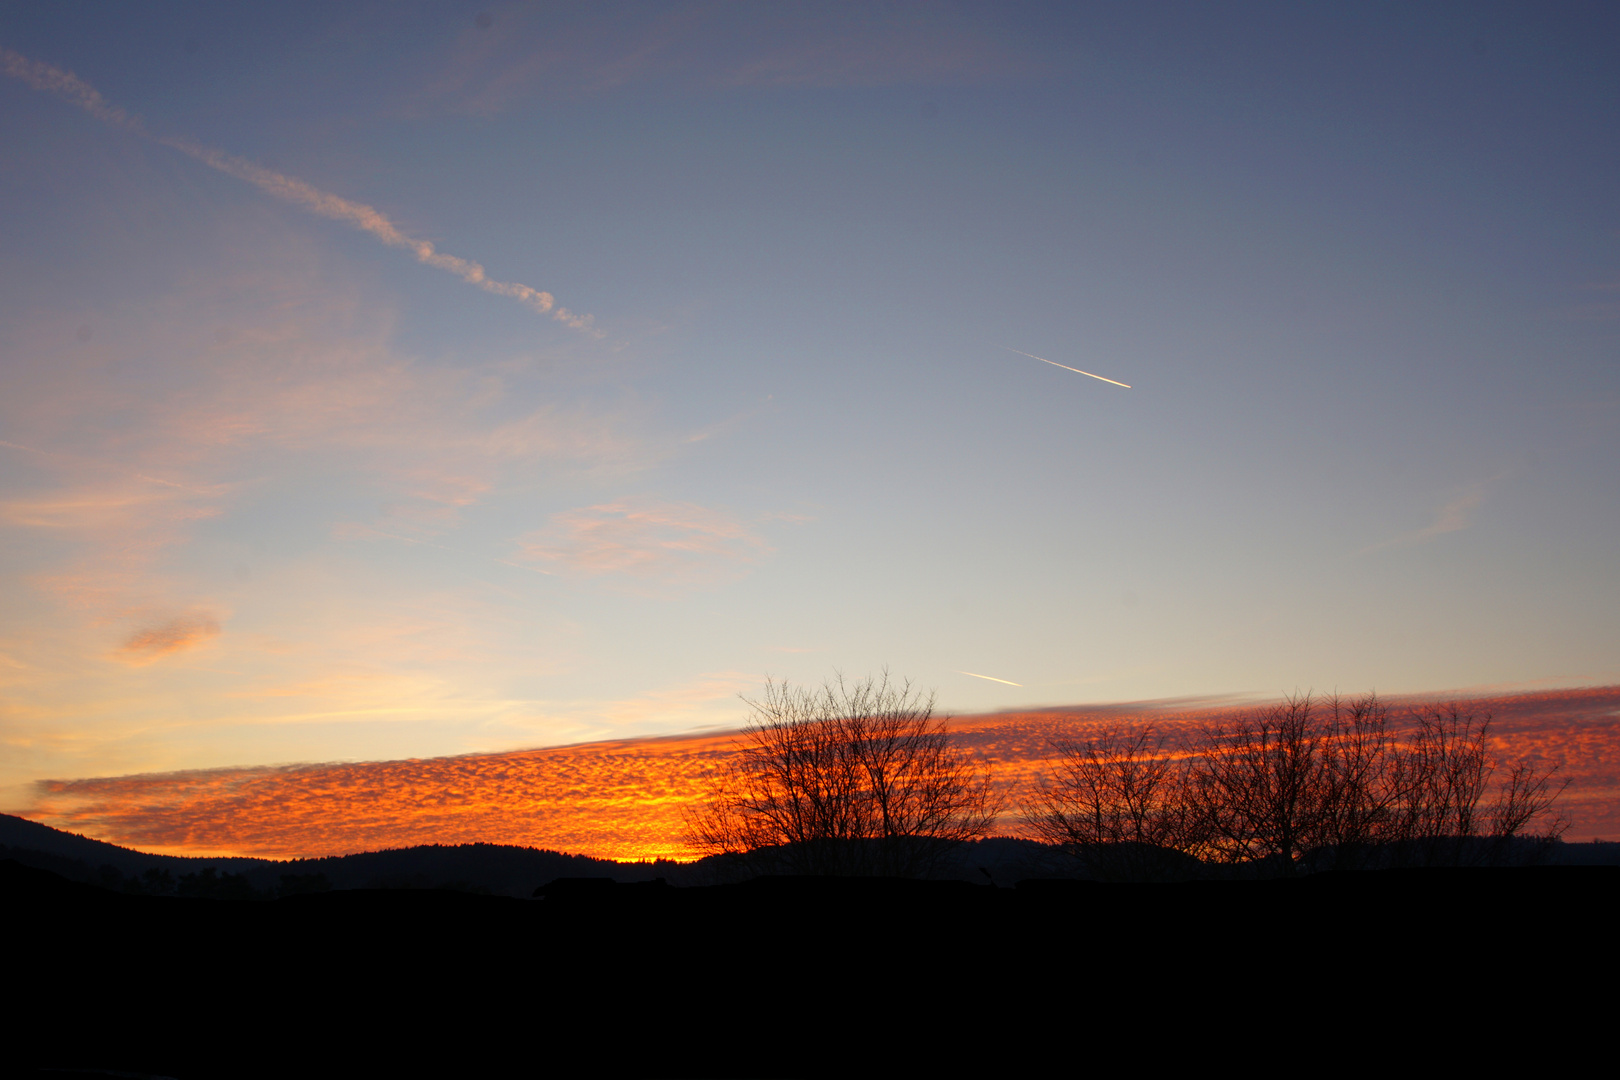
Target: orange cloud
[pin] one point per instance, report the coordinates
(624, 799)
(675, 544)
(172, 635)
(1453, 516)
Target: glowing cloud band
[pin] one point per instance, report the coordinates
(625, 799)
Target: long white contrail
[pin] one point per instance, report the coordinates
(1065, 367)
(368, 219)
(992, 678)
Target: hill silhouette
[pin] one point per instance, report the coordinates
(801, 977)
(496, 869)
(490, 868)
(382, 963)
(493, 869)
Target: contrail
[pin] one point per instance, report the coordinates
(218, 489)
(368, 219)
(345, 531)
(992, 678)
(28, 449)
(68, 86)
(1065, 367)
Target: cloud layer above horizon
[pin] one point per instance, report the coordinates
(625, 799)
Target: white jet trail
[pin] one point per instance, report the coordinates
(1065, 367)
(218, 489)
(368, 219)
(992, 678)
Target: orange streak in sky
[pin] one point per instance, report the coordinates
(623, 799)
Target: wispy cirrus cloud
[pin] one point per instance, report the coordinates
(1603, 309)
(1451, 516)
(107, 532)
(908, 48)
(170, 487)
(99, 507)
(368, 219)
(176, 633)
(648, 542)
(520, 50)
(240, 392)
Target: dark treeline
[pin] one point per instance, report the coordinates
(860, 779)
(207, 884)
(1306, 785)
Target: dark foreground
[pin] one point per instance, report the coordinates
(789, 977)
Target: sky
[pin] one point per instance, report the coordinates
(386, 381)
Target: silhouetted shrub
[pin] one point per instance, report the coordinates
(1305, 784)
(850, 780)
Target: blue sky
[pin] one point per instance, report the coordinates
(274, 489)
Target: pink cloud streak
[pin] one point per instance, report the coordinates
(672, 543)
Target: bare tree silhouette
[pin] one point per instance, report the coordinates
(1119, 805)
(1258, 784)
(849, 779)
(1304, 784)
(1445, 771)
(1360, 782)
